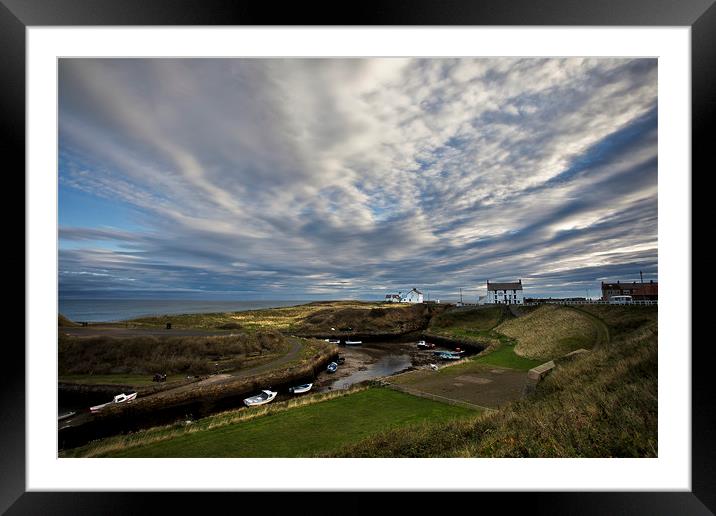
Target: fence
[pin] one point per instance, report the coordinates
(590, 302)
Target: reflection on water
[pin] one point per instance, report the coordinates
(387, 365)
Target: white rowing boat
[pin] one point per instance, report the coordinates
(354, 342)
(260, 399)
(119, 398)
(300, 389)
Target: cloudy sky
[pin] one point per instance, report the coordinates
(350, 178)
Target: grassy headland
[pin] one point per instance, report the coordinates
(316, 318)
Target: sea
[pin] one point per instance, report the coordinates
(111, 310)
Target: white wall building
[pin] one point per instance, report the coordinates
(414, 296)
(509, 293)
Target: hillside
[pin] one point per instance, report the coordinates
(64, 322)
(601, 404)
(551, 331)
(467, 324)
(385, 319)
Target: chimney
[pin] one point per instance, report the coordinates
(641, 276)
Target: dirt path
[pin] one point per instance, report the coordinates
(115, 331)
(292, 354)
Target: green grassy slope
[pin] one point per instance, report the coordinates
(305, 430)
(552, 331)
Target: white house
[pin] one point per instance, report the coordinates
(414, 296)
(509, 293)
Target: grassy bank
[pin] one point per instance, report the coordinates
(467, 325)
(308, 428)
(601, 404)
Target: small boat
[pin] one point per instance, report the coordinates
(447, 355)
(434, 367)
(66, 416)
(119, 398)
(333, 341)
(425, 345)
(260, 399)
(332, 367)
(354, 342)
(300, 389)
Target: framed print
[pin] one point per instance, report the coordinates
(414, 250)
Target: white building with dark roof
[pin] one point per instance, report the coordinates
(414, 296)
(507, 293)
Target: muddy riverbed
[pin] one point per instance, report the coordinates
(373, 360)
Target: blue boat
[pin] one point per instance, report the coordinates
(332, 367)
(449, 355)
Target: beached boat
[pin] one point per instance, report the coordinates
(354, 342)
(300, 389)
(260, 399)
(333, 341)
(332, 367)
(119, 398)
(425, 345)
(449, 355)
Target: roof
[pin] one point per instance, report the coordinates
(415, 290)
(515, 285)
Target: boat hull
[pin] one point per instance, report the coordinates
(300, 389)
(255, 401)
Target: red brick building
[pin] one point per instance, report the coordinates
(639, 291)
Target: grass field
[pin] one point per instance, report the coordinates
(503, 355)
(303, 431)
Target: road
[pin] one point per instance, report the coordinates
(113, 331)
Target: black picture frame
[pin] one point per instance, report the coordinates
(17, 15)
